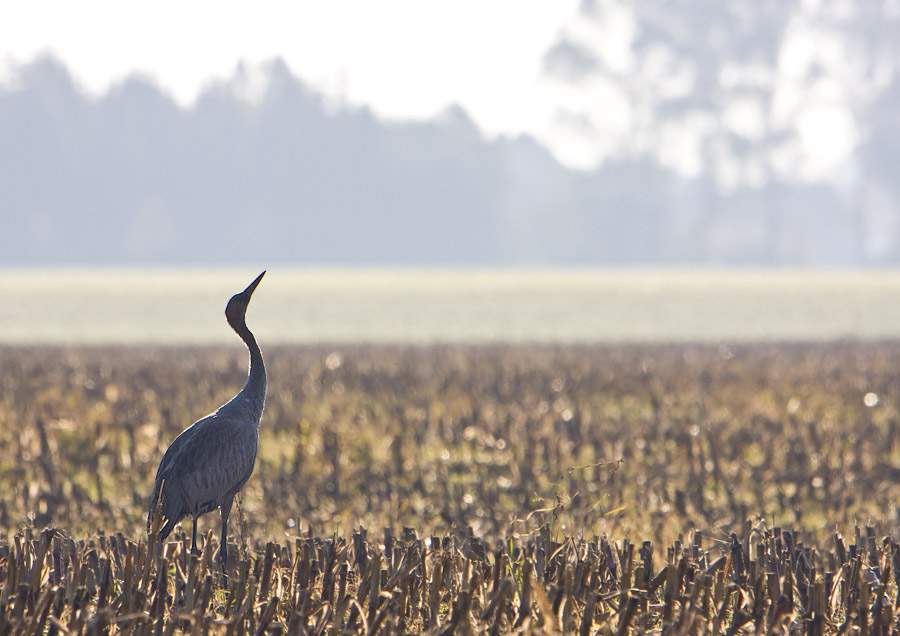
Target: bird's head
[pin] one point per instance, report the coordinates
(236, 309)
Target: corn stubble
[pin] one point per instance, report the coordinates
(610, 490)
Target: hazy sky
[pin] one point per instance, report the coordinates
(411, 59)
(741, 101)
(404, 58)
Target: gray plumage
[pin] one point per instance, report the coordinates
(210, 461)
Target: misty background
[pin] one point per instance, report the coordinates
(751, 132)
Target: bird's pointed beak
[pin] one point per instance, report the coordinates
(250, 289)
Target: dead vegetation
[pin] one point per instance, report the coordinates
(613, 490)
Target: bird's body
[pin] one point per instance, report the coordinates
(210, 461)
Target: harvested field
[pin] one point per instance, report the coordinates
(604, 489)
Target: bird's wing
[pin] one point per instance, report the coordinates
(169, 473)
(212, 462)
(170, 459)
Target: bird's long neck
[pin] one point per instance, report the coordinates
(254, 391)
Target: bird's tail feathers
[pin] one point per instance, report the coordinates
(155, 515)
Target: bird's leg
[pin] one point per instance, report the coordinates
(194, 549)
(223, 547)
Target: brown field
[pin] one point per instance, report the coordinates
(604, 489)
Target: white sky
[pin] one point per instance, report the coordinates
(405, 58)
(402, 58)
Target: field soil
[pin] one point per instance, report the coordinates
(400, 489)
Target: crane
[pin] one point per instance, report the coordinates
(211, 460)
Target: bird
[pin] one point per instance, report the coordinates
(211, 460)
